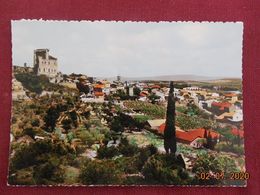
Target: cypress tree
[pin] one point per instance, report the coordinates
(170, 130)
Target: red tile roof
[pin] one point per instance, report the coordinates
(96, 93)
(143, 93)
(230, 94)
(237, 132)
(192, 134)
(99, 86)
(221, 105)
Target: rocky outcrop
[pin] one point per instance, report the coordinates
(18, 92)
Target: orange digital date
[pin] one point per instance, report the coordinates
(221, 175)
(210, 175)
(239, 176)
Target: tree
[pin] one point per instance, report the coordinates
(30, 131)
(74, 118)
(116, 125)
(83, 88)
(66, 124)
(210, 141)
(153, 98)
(170, 131)
(127, 149)
(136, 91)
(50, 118)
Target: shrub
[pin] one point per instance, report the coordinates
(144, 154)
(100, 172)
(48, 173)
(164, 169)
(127, 165)
(107, 152)
(29, 131)
(33, 82)
(127, 149)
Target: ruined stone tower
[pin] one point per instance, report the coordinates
(45, 64)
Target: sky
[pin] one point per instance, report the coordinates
(133, 49)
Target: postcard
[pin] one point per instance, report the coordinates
(127, 103)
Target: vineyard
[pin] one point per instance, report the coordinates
(152, 110)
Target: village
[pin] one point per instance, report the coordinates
(97, 115)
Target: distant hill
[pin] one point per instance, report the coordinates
(187, 77)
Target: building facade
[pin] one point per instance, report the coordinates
(45, 64)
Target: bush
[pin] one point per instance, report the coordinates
(144, 154)
(66, 124)
(100, 172)
(127, 149)
(24, 157)
(127, 165)
(164, 169)
(107, 152)
(48, 173)
(29, 131)
(36, 153)
(33, 82)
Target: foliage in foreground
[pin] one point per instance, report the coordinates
(165, 169)
(100, 172)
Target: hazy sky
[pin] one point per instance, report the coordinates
(133, 48)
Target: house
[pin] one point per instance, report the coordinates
(220, 107)
(231, 97)
(193, 137)
(143, 99)
(225, 115)
(98, 90)
(131, 91)
(215, 95)
(237, 116)
(155, 86)
(144, 93)
(161, 95)
(234, 116)
(155, 124)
